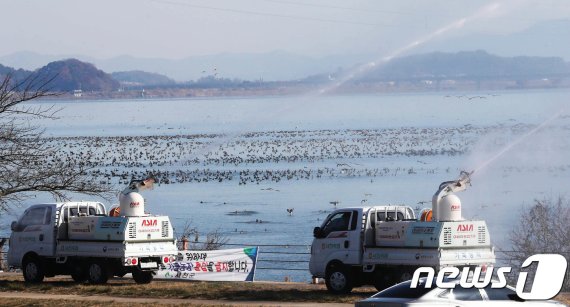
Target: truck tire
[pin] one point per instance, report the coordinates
(405, 275)
(79, 274)
(97, 272)
(142, 277)
(383, 278)
(32, 269)
(339, 279)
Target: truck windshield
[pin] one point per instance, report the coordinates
(337, 222)
(35, 216)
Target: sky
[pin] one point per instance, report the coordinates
(175, 29)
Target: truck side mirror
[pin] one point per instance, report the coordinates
(317, 232)
(14, 226)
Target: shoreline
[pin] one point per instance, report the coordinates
(299, 90)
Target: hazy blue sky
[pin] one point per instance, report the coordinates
(181, 28)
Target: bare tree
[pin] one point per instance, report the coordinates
(214, 240)
(28, 163)
(542, 229)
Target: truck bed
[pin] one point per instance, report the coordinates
(114, 249)
(433, 257)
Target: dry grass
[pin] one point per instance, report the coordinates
(564, 298)
(230, 291)
(225, 291)
(20, 302)
(17, 302)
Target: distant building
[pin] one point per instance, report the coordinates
(77, 93)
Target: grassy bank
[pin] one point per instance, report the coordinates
(19, 302)
(230, 291)
(224, 291)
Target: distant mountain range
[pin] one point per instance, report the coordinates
(72, 74)
(546, 39)
(142, 78)
(17, 74)
(270, 66)
(66, 75)
(473, 65)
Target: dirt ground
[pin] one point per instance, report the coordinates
(63, 292)
(40, 299)
(59, 290)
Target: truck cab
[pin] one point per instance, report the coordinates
(38, 228)
(337, 239)
(338, 243)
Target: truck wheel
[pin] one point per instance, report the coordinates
(142, 277)
(405, 275)
(79, 275)
(97, 272)
(33, 270)
(383, 279)
(339, 280)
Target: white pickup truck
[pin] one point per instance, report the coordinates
(80, 239)
(384, 245)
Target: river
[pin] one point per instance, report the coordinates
(257, 157)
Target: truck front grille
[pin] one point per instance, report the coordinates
(132, 229)
(164, 229)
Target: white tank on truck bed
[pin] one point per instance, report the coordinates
(432, 234)
(120, 228)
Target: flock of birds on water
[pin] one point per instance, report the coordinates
(261, 157)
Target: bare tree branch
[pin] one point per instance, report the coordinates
(14, 93)
(28, 162)
(542, 229)
(214, 240)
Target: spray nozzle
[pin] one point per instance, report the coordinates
(464, 178)
(140, 185)
(456, 185)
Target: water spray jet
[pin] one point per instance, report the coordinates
(510, 146)
(483, 12)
